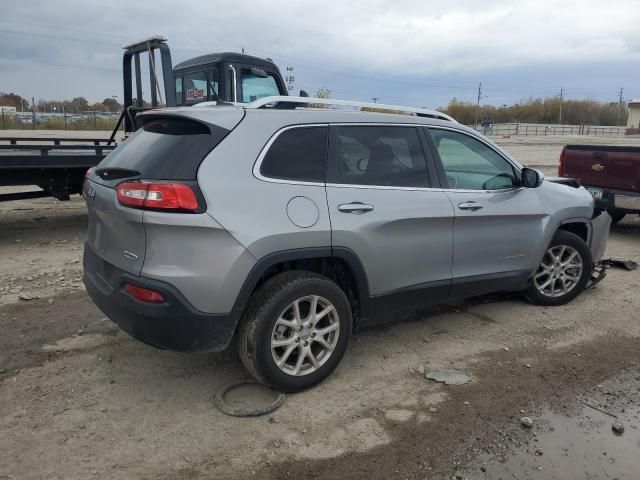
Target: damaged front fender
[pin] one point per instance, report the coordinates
(600, 226)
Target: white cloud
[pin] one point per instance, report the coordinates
(401, 38)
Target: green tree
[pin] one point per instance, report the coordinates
(14, 100)
(112, 105)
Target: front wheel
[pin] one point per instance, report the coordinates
(563, 272)
(295, 330)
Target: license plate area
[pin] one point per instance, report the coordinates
(595, 192)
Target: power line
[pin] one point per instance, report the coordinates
(462, 85)
(309, 65)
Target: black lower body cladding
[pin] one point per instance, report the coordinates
(174, 324)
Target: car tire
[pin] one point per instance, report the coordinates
(563, 273)
(272, 338)
(616, 215)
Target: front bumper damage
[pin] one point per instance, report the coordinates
(600, 225)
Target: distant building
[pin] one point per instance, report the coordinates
(634, 114)
(8, 111)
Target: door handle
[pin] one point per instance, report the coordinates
(470, 206)
(355, 207)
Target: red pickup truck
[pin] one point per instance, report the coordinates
(611, 174)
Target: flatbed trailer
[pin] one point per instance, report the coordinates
(56, 165)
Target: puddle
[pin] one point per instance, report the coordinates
(581, 445)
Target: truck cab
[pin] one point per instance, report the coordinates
(226, 77)
(231, 77)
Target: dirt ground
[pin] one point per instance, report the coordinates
(80, 399)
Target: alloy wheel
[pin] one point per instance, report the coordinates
(559, 272)
(305, 335)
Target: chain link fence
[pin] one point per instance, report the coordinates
(58, 121)
(514, 129)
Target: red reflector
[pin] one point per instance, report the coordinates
(162, 196)
(143, 294)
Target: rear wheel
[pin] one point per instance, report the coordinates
(563, 272)
(295, 330)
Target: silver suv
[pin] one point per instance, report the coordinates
(283, 226)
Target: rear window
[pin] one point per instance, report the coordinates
(297, 154)
(165, 149)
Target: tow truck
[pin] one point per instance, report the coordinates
(58, 165)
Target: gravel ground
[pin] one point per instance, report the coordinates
(80, 399)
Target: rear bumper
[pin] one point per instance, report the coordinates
(174, 324)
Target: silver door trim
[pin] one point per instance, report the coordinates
(273, 138)
(385, 187)
(265, 149)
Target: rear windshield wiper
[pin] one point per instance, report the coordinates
(116, 173)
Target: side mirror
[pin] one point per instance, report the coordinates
(303, 93)
(531, 178)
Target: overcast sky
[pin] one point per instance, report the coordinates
(412, 52)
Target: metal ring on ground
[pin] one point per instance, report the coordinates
(224, 407)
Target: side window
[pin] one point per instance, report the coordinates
(378, 155)
(470, 164)
(297, 154)
(178, 90)
(195, 87)
(254, 88)
(214, 82)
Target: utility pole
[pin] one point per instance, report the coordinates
(478, 104)
(375, 99)
(619, 107)
(561, 99)
(33, 112)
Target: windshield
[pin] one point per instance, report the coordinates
(254, 87)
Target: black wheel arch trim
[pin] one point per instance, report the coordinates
(373, 308)
(308, 253)
(577, 220)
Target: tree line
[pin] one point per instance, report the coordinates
(540, 110)
(76, 105)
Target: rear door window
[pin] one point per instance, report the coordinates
(298, 154)
(378, 155)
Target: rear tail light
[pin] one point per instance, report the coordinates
(158, 196)
(143, 294)
(563, 155)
